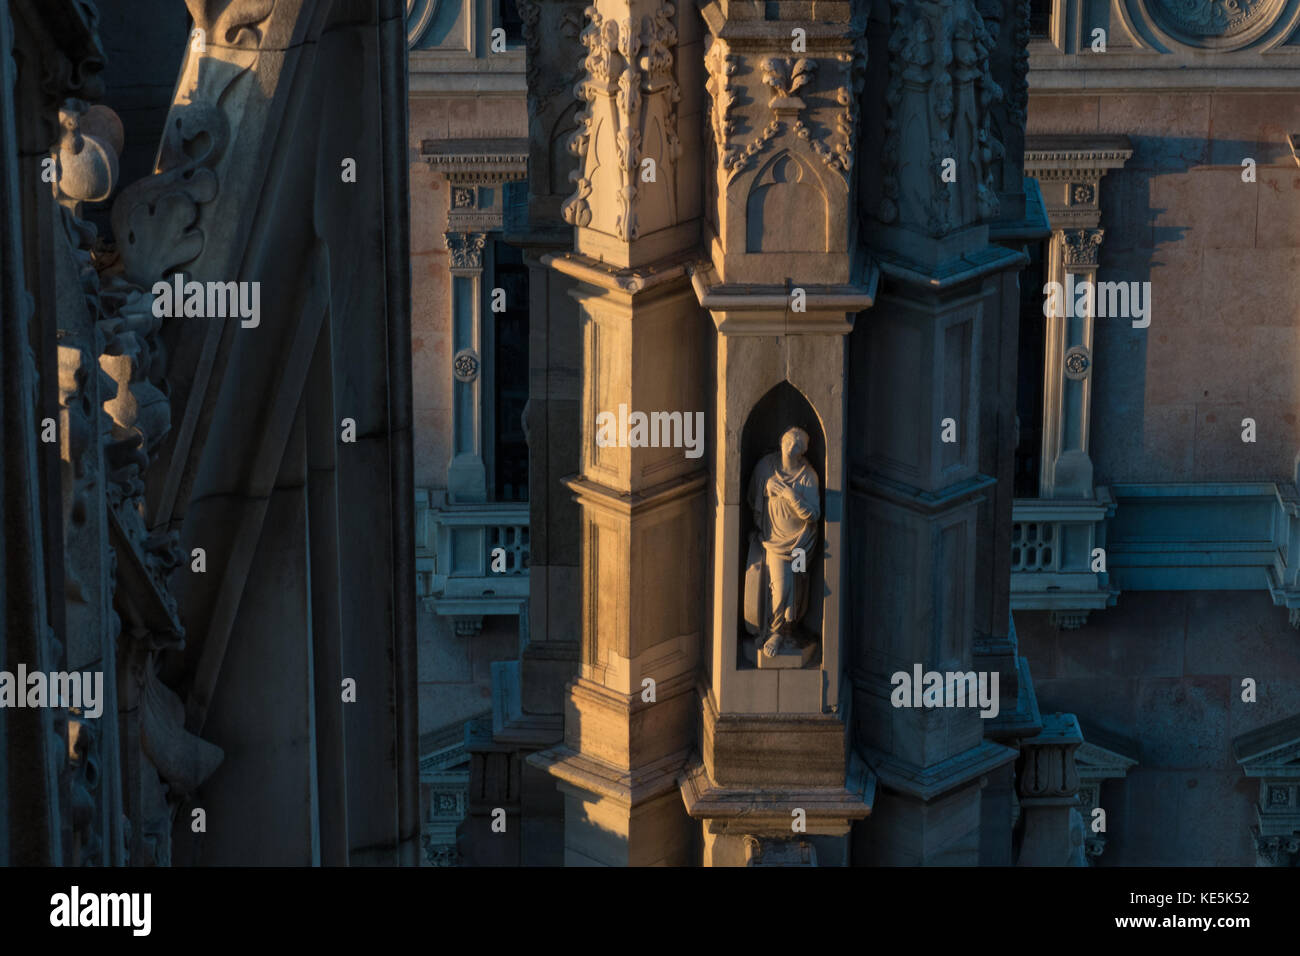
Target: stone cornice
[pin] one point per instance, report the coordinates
(764, 809)
(1270, 751)
(622, 504)
(485, 160)
(1081, 158)
(611, 278)
(766, 310)
(629, 788)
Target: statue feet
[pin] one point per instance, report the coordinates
(782, 650)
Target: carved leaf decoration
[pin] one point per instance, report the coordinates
(803, 72)
(234, 22)
(183, 760)
(154, 219)
(154, 222)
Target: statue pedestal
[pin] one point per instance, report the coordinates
(789, 656)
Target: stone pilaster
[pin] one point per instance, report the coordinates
(466, 478)
(785, 280)
(1021, 219)
(920, 394)
(1071, 170)
(635, 213)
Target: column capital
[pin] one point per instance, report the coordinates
(1049, 774)
(1082, 247)
(465, 249)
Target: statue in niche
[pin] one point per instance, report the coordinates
(784, 494)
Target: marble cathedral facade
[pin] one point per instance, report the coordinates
(367, 579)
(816, 167)
(744, 211)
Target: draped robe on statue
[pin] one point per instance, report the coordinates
(786, 508)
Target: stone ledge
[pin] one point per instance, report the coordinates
(593, 776)
(770, 809)
(927, 783)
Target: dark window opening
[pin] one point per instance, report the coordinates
(1031, 367)
(1040, 17)
(510, 379)
(509, 20)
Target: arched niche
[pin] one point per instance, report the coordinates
(786, 209)
(781, 408)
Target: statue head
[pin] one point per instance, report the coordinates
(794, 443)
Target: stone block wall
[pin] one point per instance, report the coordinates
(1223, 260)
(1164, 669)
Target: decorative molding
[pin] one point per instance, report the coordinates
(721, 66)
(465, 365)
(629, 64)
(1216, 25)
(1075, 158)
(940, 87)
(1101, 757)
(1160, 537)
(486, 160)
(1168, 45)
(419, 17)
(1271, 754)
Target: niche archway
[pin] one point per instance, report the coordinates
(786, 208)
(781, 408)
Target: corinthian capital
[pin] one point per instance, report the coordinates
(466, 249)
(1082, 246)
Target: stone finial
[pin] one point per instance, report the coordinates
(91, 140)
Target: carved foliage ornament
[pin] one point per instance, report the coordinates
(941, 86)
(1082, 246)
(785, 77)
(544, 61)
(466, 249)
(237, 23)
(629, 63)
